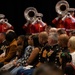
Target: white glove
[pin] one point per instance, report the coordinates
(57, 18)
(73, 19)
(27, 23)
(2, 20)
(34, 22)
(8, 24)
(64, 17)
(42, 23)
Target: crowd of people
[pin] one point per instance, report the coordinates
(49, 52)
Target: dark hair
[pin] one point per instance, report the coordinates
(22, 37)
(73, 32)
(66, 57)
(61, 31)
(35, 40)
(10, 36)
(25, 39)
(47, 69)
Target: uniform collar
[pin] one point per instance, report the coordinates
(54, 45)
(42, 45)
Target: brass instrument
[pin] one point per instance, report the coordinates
(62, 7)
(30, 14)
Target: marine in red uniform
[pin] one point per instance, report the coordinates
(4, 25)
(69, 21)
(35, 26)
(58, 22)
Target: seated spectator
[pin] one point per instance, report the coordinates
(63, 41)
(71, 46)
(67, 67)
(22, 44)
(48, 49)
(11, 49)
(19, 48)
(33, 44)
(43, 37)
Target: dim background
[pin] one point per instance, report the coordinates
(14, 11)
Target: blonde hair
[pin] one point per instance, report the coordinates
(72, 42)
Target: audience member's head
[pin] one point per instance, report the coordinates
(47, 28)
(52, 39)
(20, 40)
(71, 43)
(73, 33)
(30, 40)
(10, 36)
(43, 37)
(63, 40)
(52, 30)
(61, 31)
(47, 69)
(35, 40)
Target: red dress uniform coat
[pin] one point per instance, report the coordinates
(34, 28)
(28, 28)
(58, 23)
(4, 27)
(69, 24)
(39, 27)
